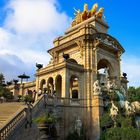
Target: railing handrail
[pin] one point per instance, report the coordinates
(20, 110)
(38, 101)
(7, 125)
(11, 120)
(10, 126)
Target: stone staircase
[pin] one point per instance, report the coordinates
(13, 121)
(8, 111)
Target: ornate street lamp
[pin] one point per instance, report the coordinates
(23, 76)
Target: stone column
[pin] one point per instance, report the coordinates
(97, 107)
(37, 83)
(63, 86)
(88, 85)
(21, 89)
(119, 69)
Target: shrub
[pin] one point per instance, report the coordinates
(126, 133)
(28, 98)
(46, 118)
(106, 121)
(8, 95)
(74, 136)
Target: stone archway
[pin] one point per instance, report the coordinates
(58, 85)
(43, 84)
(50, 85)
(105, 70)
(74, 87)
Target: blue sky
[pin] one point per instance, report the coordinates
(28, 27)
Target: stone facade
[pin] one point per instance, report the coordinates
(89, 48)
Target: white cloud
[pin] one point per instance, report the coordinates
(131, 65)
(28, 32)
(35, 16)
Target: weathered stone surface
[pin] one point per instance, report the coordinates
(90, 48)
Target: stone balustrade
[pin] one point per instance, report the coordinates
(18, 121)
(11, 126)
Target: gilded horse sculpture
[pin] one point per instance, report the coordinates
(94, 8)
(86, 14)
(99, 14)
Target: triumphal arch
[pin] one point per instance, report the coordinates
(74, 70)
(76, 58)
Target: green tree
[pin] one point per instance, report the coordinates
(137, 94)
(2, 79)
(3, 90)
(133, 94)
(124, 128)
(125, 133)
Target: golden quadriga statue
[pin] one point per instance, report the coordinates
(86, 14)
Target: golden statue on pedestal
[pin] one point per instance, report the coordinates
(86, 14)
(93, 10)
(99, 14)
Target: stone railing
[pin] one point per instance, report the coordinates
(12, 125)
(38, 105)
(57, 101)
(19, 120)
(70, 102)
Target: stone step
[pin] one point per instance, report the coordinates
(7, 110)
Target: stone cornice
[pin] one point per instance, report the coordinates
(88, 21)
(64, 64)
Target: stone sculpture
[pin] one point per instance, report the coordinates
(123, 91)
(96, 88)
(128, 108)
(78, 126)
(111, 86)
(137, 121)
(86, 14)
(113, 111)
(136, 106)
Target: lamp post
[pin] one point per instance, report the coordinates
(23, 76)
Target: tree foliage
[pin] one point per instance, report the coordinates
(123, 128)
(134, 94)
(125, 133)
(2, 79)
(3, 90)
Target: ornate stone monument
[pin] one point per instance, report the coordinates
(89, 48)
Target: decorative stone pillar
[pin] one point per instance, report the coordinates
(97, 107)
(21, 89)
(124, 83)
(119, 70)
(63, 86)
(37, 83)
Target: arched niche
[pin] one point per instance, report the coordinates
(50, 85)
(58, 85)
(74, 87)
(105, 70)
(43, 84)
